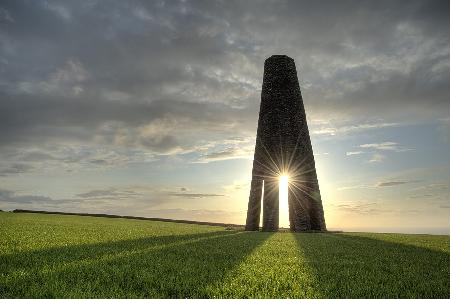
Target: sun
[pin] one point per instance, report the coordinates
(283, 197)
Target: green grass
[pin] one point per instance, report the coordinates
(74, 256)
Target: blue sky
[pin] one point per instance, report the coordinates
(150, 108)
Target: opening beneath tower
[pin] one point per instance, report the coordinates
(262, 203)
(283, 187)
(283, 191)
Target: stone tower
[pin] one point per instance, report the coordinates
(283, 147)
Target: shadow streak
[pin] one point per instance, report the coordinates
(353, 266)
(164, 266)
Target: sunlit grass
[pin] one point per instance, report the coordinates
(73, 256)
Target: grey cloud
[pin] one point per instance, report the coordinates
(161, 143)
(15, 168)
(134, 200)
(381, 184)
(242, 152)
(5, 16)
(42, 119)
(371, 209)
(6, 193)
(37, 156)
(434, 186)
(392, 183)
(7, 196)
(422, 196)
(101, 72)
(395, 183)
(67, 157)
(109, 193)
(443, 130)
(222, 154)
(360, 208)
(99, 161)
(194, 195)
(156, 195)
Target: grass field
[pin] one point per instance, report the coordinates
(75, 256)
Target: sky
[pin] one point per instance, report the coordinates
(149, 108)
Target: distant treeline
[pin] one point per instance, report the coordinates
(132, 217)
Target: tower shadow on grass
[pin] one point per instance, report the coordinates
(353, 266)
(166, 266)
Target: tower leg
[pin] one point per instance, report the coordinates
(271, 205)
(300, 220)
(291, 211)
(316, 211)
(254, 204)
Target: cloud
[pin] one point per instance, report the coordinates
(370, 208)
(14, 168)
(10, 197)
(59, 10)
(443, 130)
(381, 184)
(111, 193)
(237, 185)
(5, 16)
(68, 158)
(434, 186)
(354, 153)
(354, 187)
(194, 68)
(359, 208)
(64, 81)
(194, 195)
(226, 154)
(386, 146)
(391, 183)
(118, 200)
(349, 129)
(377, 158)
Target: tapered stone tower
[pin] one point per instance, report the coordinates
(283, 147)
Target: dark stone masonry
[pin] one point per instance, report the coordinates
(283, 147)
